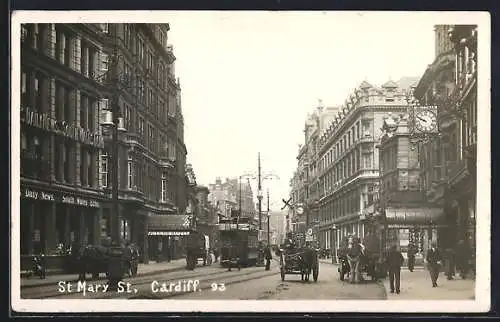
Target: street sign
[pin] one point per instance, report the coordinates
(309, 238)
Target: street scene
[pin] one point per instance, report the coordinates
(197, 162)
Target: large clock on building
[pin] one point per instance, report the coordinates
(426, 121)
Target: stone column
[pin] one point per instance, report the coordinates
(97, 215)
(67, 226)
(77, 145)
(52, 115)
(78, 162)
(80, 212)
(50, 228)
(145, 250)
(31, 218)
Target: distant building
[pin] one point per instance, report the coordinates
(304, 183)
(228, 196)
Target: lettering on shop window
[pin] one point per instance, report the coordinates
(70, 200)
(39, 195)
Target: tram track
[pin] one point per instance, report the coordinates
(143, 284)
(51, 291)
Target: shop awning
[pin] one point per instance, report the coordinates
(415, 216)
(169, 225)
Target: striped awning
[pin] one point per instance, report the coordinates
(424, 216)
(164, 223)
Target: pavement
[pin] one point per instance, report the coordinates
(143, 270)
(417, 285)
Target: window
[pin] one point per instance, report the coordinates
(127, 35)
(164, 186)
(140, 49)
(104, 27)
(83, 176)
(128, 118)
(36, 36)
(90, 168)
(162, 38)
(130, 172)
(38, 92)
(104, 170)
(24, 88)
(150, 61)
(84, 60)
(141, 126)
(61, 47)
(24, 32)
(67, 162)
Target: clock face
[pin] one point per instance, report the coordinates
(425, 121)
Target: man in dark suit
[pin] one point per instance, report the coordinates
(411, 257)
(394, 262)
(268, 256)
(433, 263)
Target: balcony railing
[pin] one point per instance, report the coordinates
(33, 167)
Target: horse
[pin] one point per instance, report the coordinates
(303, 260)
(94, 259)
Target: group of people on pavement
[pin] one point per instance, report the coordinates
(458, 258)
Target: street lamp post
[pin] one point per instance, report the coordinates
(115, 83)
(259, 193)
(268, 220)
(115, 265)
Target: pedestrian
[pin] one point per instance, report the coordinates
(354, 256)
(433, 259)
(411, 257)
(268, 256)
(463, 255)
(394, 262)
(450, 263)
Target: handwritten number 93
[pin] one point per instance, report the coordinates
(218, 287)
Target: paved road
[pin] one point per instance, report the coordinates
(215, 282)
(328, 287)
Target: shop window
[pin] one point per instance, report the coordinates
(130, 172)
(104, 170)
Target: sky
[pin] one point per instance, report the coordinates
(249, 79)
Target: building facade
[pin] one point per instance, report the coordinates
(348, 160)
(305, 182)
(449, 160)
(401, 213)
(65, 149)
(227, 196)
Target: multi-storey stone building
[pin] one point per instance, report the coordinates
(401, 214)
(449, 160)
(305, 183)
(64, 154)
(348, 160)
(227, 196)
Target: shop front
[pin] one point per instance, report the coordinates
(412, 226)
(51, 222)
(167, 236)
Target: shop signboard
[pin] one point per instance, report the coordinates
(59, 197)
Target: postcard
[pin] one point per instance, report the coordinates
(250, 161)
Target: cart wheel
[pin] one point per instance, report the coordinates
(316, 272)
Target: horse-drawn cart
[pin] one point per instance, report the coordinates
(301, 261)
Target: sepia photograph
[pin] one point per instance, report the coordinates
(250, 161)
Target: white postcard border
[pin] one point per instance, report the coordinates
(481, 303)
